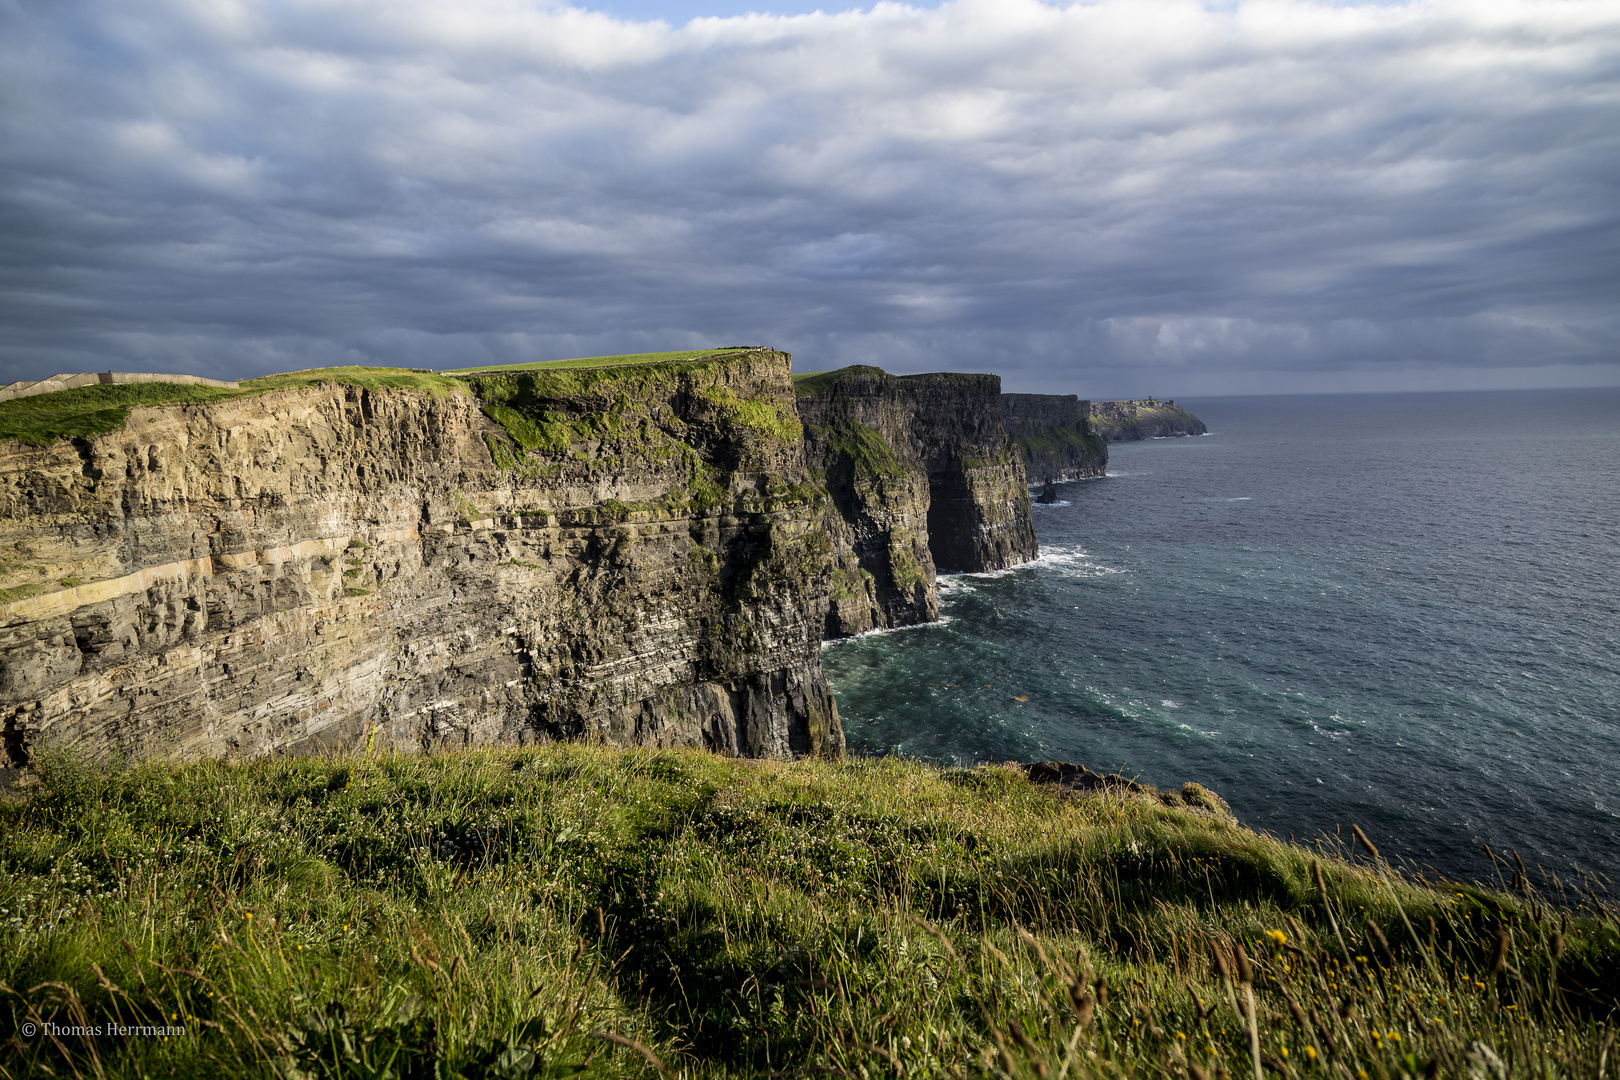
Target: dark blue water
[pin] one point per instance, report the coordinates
(1394, 610)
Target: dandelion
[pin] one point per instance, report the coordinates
(1310, 1053)
(1278, 938)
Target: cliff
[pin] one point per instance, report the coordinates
(857, 425)
(1122, 421)
(923, 477)
(1053, 432)
(630, 554)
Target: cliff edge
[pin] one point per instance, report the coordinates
(1148, 418)
(630, 554)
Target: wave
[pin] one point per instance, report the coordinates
(1074, 560)
(1060, 502)
(882, 631)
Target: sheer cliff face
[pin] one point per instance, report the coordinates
(857, 432)
(1122, 421)
(338, 566)
(923, 475)
(979, 515)
(1053, 432)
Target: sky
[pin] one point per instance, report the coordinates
(1113, 198)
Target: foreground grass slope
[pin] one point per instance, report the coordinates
(568, 910)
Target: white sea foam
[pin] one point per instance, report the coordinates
(1060, 502)
(1073, 560)
(882, 631)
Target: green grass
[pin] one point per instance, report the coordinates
(546, 911)
(1065, 438)
(370, 378)
(625, 360)
(861, 450)
(87, 411)
(549, 408)
(811, 383)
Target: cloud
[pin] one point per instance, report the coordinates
(1099, 196)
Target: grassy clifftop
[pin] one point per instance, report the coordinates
(95, 410)
(567, 910)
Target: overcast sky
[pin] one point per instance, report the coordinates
(1110, 199)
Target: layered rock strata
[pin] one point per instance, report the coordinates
(856, 433)
(924, 478)
(1148, 418)
(626, 554)
(1053, 432)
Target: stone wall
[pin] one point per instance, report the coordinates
(52, 383)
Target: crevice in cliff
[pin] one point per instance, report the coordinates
(11, 744)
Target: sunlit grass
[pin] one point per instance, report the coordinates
(568, 910)
(87, 411)
(624, 360)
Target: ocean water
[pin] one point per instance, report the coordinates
(1399, 611)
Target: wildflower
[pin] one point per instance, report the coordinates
(1277, 937)
(1310, 1053)
(1283, 1050)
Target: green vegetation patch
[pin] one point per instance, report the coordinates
(369, 378)
(811, 383)
(860, 449)
(1060, 439)
(625, 360)
(574, 911)
(549, 408)
(88, 411)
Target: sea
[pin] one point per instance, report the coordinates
(1400, 611)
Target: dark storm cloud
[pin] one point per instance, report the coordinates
(1097, 198)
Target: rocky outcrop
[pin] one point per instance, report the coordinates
(923, 476)
(625, 554)
(1149, 418)
(1053, 432)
